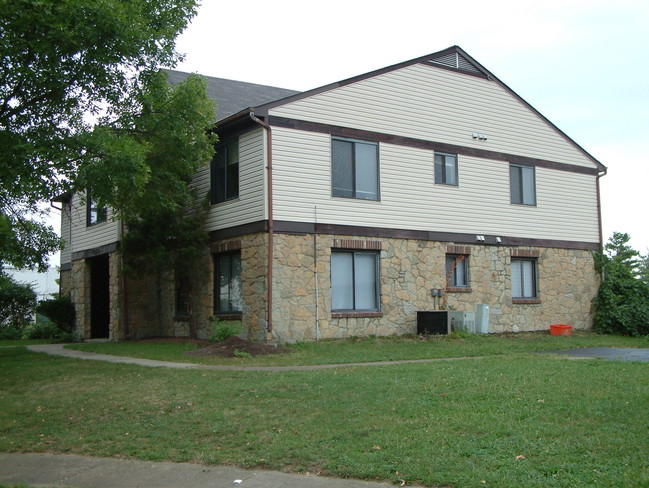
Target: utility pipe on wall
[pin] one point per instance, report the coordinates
(269, 179)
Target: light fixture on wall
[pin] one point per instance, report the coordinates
(479, 136)
(479, 238)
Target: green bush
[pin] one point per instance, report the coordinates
(224, 329)
(69, 337)
(622, 302)
(10, 333)
(17, 302)
(60, 310)
(44, 330)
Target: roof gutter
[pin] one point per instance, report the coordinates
(269, 180)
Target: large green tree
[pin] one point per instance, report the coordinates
(76, 80)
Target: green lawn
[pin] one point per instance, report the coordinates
(25, 342)
(375, 349)
(459, 423)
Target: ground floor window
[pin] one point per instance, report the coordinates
(524, 278)
(354, 281)
(457, 270)
(227, 283)
(182, 298)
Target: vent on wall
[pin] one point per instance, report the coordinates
(456, 60)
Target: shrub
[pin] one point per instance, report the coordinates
(622, 302)
(17, 302)
(44, 330)
(60, 310)
(10, 333)
(69, 337)
(224, 329)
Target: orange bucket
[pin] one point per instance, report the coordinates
(560, 330)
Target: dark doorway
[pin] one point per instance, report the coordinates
(99, 297)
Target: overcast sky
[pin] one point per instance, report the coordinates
(582, 64)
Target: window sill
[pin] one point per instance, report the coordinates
(355, 315)
(228, 315)
(526, 301)
(234, 199)
(459, 289)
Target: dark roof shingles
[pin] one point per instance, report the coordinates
(233, 96)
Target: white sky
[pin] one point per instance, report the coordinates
(582, 64)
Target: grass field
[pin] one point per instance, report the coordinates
(509, 420)
(375, 348)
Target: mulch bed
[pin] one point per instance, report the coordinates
(227, 348)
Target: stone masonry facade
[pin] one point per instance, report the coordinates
(409, 270)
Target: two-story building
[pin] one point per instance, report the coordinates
(335, 212)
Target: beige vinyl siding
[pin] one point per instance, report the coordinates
(88, 237)
(410, 199)
(438, 105)
(251, 204)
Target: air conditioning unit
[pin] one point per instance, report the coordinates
(433, 322)
(463, 321)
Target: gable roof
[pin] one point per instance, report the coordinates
(233, 96)
(453, 58)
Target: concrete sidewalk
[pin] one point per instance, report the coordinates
(60, 350)
(90, 472)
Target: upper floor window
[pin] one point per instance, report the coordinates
(457, 270)
(446, 169)
(522, 184)
(95, 213)
(225, 172)
(524, 278)
(354, 281)
(355, 169)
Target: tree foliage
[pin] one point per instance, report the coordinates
(17, 302)
(72, 74)
(622, 303)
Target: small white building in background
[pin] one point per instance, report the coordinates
(44, 284)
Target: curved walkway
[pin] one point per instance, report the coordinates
(59, 350)
(95, 472)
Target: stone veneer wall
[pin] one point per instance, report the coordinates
(151, 301)
(76, 283)
(409, 269)
(254, 259)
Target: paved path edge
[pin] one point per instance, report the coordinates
(95, 472)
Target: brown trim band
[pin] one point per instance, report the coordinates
(95, 251)
(284, 227)
(239, 230)
(339, 131)
(302, 228)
